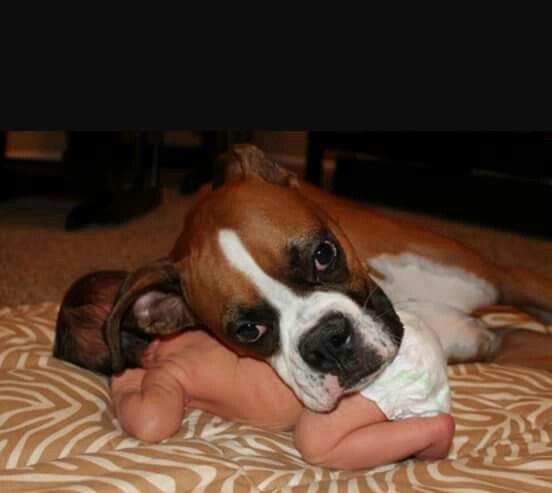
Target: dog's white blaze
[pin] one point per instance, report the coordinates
(297, 315)
(236, 253)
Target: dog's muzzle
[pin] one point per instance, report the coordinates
(333, 346)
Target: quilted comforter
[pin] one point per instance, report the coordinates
(58, 432)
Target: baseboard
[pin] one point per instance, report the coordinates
(34, 154)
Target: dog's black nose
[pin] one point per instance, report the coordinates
(329, 346)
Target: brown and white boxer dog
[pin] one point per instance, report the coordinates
(283, 271)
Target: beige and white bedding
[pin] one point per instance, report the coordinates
(58, 432)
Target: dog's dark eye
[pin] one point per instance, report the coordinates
(324, 256)
(249, 332)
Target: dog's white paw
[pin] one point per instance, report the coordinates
(489, 345)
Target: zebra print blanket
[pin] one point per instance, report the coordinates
(58, 432)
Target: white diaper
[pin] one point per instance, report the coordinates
(416, 382)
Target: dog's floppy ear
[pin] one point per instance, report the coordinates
(244, 161)
(151, 300)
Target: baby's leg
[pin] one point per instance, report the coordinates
(441, 428)
(356, 435)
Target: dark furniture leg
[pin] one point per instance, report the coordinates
(2, 159)
(123, 178)
(315, 155)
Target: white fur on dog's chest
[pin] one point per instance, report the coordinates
(411, 277)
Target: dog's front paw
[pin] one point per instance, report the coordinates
(489, 344)
(159, 313)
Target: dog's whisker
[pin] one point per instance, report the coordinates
(370, 294)
(380, 315)
(397, 304)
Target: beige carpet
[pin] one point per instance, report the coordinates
(39, 260)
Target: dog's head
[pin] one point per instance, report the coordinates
(275, 277)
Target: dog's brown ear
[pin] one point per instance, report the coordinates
(151, 300)
(244, 161)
